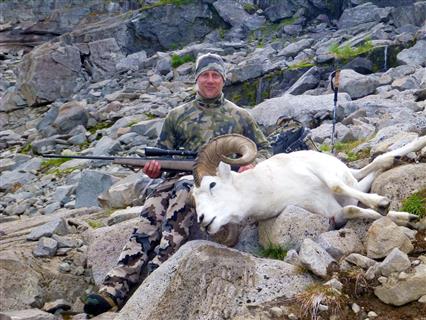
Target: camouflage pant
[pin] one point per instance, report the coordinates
(164, 227)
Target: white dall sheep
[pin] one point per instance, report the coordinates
(317, 182)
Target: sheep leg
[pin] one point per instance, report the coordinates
(354, 212)
(371, 200)
(365, 184)
(386, 160)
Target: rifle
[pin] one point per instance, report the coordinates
(163, 156)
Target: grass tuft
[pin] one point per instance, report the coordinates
(347, 52)
(177, 60)
(416, 203)
(319, 294)
(273, 251)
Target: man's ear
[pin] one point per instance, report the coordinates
(223, 171)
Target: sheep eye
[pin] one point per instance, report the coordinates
(212, 184)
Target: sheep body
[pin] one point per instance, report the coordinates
(317, 182)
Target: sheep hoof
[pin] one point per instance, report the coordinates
(383, 206)
(413, 217)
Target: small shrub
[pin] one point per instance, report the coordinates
(273, 251)
(27, 148)
(250, 8)
(310, 300)
(95, 224)
(61, 173)
(178, 60)
(416, 203)
(302, 64)
(100, 126)
(347, 52)
(47, 164)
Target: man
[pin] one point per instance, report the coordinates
(167, 216)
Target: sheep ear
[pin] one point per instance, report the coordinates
(223, 171)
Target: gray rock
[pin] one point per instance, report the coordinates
(71, 115)
(90, 186)
(14, 179)
(413, 14)
(399, 292)
(315, 258)
(56, 226)
(356, 84)
(67, 242)
(104, 55)
(360, 260)
(132, 62)
(105, 245)
(106, 146)
(361, 14)
(148, 128)
(28, 314)
(294, 48)
(341, 242)
(396, 261)
(125, 192)
(62, 193)
(383, 236)
(304, 108)
(124, 215)
(46, 247)
(400, 182)
(291, 227)
(280, 10)
(199, 266)
(309, 80)
(233, 13)
(49, 72)
(414, 56)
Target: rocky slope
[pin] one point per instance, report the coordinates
(97, 78)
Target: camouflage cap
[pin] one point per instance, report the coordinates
(210, 61)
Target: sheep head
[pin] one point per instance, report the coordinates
(217, 200)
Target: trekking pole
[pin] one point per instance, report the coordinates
(334, 81)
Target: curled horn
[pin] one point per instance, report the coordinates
(219, 149)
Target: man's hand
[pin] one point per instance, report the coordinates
(246, 167)
(152, 169)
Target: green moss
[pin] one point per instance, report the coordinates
(95, 224)
(61, 173)
(132, 123)
(269, 30)
(164, 3)
(273, 251)
(249, 92)
(325, 148)
(47, 164)
(177, 60)
(416, 203)
(221, 32)
(150, 116)
(250, 8)
(100, 126)
(347, 147)
(302, 64)
(347, 52)
(26, 148)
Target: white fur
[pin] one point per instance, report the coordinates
(315, 181)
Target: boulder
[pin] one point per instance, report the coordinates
(399, 292)
(315, 258)
(400, 182)
(90, 186)
(339, 243)
(105, 245)
(357, 85)
(204, 280)
(49, 72)
(304, 108)
(365, 13)
(291, 227)
(383, 236)
(70, 115)
(414, 56)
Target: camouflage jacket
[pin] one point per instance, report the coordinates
(193, 124)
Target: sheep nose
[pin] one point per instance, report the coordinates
(201, 218)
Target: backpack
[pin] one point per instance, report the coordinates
(290, 135)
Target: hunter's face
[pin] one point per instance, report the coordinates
(210, 84)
